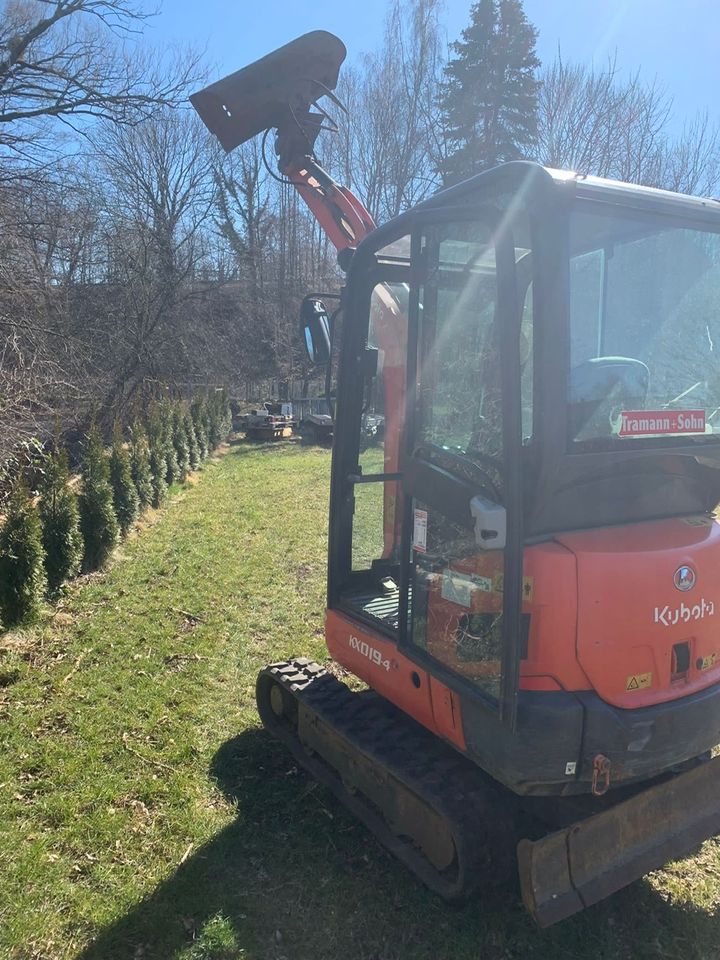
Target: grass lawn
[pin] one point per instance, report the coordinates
(145, 814)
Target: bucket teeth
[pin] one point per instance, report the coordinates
(274, 92)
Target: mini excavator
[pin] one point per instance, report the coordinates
(525, 571)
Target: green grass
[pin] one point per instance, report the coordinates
(145, 814)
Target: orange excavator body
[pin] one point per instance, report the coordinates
(524, 569)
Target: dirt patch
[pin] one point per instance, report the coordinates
(178, 661)
(8, 677)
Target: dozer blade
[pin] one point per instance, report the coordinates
(272, 92)
(576, 867)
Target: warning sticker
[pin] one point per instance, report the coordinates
(420, 531)
(528, 586)
(639, 681)
(643, 423)
(706, 662)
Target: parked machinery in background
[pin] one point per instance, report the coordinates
(273, 421)
(315, 423)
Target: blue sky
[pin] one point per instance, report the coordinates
(675, 41)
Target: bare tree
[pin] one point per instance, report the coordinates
(159, 195)
(595, 121)
(387, 149)
(74, 59)
(42, 368)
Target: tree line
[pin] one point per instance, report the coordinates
(48, 540)
(135, 256)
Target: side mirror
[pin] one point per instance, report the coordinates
(315, 325)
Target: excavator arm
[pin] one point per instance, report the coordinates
(279, 92)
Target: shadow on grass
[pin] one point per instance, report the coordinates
(294, 877)
(236, 875)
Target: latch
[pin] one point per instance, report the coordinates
(601, 775)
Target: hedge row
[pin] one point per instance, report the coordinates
(44, 545)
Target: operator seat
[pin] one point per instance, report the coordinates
(600, 388)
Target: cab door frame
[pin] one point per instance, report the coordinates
(540, 198)
(453, 491)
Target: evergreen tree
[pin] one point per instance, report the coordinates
(489, 99)
(172, 467)
(158, 455)
(225, 413)
(97, 516)
(140, 464)
(181, 443)
(62, 539)
(219, 416)
(22, 570)
(193, 446)
(198, 412)
(125, 496)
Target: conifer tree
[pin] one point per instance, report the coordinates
(62, 539)
(193, 446)
(198, 412)
(213, 421)
(489, 99)
(22, 570)
(125, 496)
(181, 443)
(225, 413)
(158, 455)
(140, 464)
(172, 467)
(97, 515)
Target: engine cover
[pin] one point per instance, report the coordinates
(648, 608)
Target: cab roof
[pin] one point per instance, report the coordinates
(533, 179)
(601, 188)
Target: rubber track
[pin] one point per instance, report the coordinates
(481, 821)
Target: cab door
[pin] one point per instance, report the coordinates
(461, 589)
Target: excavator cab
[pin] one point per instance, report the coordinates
(523, 552)
(547, 366)
(526, 566)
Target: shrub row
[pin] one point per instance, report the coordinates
(43, 546)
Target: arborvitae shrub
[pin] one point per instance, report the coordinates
(22, 570)
(125, 496)
(219, 417)
(97, 516)
(181, 442)
(225, 413)
(62, 539)
(214, 421)
(172, 467)
(158, 458)
(193, 446)
(198, 411)
(140, 464)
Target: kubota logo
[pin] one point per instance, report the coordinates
(669, 616)
(684, 578)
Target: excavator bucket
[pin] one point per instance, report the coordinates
(576, 867)
(274, 92)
